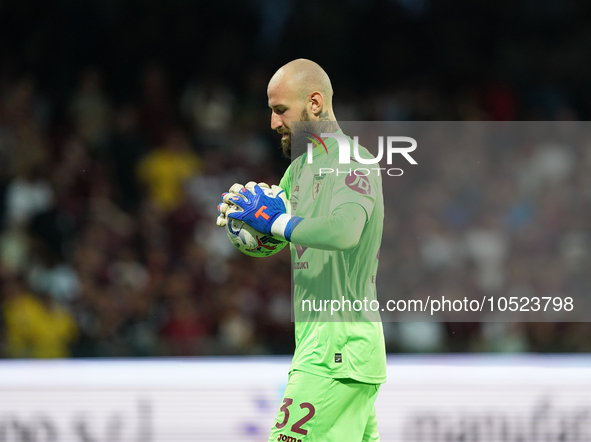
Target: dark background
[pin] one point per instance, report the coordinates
(121, 122)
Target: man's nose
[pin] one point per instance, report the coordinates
(276, 122)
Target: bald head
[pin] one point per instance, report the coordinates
(302, 78)
(299, 91)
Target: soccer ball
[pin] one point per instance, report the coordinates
(249, 241)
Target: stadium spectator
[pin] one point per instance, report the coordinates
(36, 326)
(165, 170)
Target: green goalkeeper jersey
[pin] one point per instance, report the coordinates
(348, 343)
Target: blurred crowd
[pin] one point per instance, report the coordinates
(121, 125)
(499, 210)
(109, 245)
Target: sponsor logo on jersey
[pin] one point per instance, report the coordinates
(300, 250)
(358, 183)
(300, 265)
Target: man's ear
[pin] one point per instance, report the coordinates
(316, 102)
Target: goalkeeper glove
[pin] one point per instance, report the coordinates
(262, 211)
(222, 219)
(224, 207)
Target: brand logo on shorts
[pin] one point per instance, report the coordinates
(286, 438)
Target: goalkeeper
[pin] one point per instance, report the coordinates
(335, 229)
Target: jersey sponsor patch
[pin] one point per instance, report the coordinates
(338, 358)
(359, 183)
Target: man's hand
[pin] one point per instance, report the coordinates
(260, 209)
(244, 203)
(227, 205)
(222, 219)
(224, 207)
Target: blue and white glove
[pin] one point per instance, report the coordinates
(262, 210)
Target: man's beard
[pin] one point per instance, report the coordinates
(286, 142)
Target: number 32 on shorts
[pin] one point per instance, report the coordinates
(296, 427)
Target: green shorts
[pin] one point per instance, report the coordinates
(319, 409)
